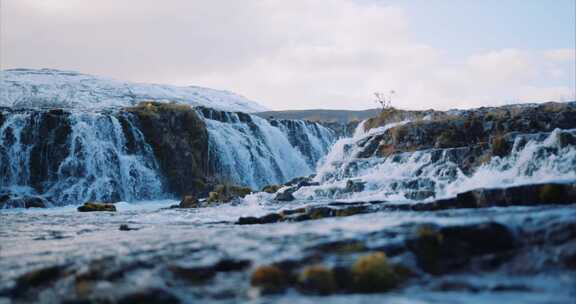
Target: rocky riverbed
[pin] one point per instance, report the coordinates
(147, 253)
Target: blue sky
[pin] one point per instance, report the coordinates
(477, 25)
(302, 54)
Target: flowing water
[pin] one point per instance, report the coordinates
(91, 162)
(251, 151)
(535, 158)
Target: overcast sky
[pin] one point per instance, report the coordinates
(297, 54)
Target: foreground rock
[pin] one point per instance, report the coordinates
(524, 195)
(413, 255)
(97, 206)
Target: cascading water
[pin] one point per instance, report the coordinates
(311, 139)
(534, 158)
(249, 150)
(70, 158)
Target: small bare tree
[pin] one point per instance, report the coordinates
(384, 100)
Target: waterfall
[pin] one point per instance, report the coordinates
(249, 150)
(69, 158)
(535, 158)
(311, 139)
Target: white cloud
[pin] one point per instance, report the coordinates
(561, 55)
(284, 54)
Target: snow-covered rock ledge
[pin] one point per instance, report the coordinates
(48, 88)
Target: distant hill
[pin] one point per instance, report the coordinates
(334, 116)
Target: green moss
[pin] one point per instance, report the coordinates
(317, 279)
(319, 213)
(96, 206)
(224, 193)
(269, 279)
(373, 273)
(349, 211)
(271, 188)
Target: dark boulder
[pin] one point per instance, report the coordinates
(17, 201)
(285, 196)
(179, 139)
(149, 296)
(442, 250)
(355, 185)
(32, 280)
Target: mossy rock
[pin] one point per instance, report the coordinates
(317, 279)
(373, 273)
(96, 206)
(189, 201)
(226, 193)
(271, 188)
(499, 146)
(269, 279)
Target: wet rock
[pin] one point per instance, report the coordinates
(149, 296)
(343, 277)
(227, 265)
(125, 227)
(16, 201)
(285, 196)
(355, 185)
(511, 287)
(249, 220)
(271, 188)
(458, 286)
(340, 247)
(97, 206)
(419, 195)
(317, 279)
(226, 193)
(189, 201)
(525, 195)
(269, 279)
(373, 273)
(270, 218)
(442, 250)
(305, 214)
(194, 275)
(557, 193)
(38, 278)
